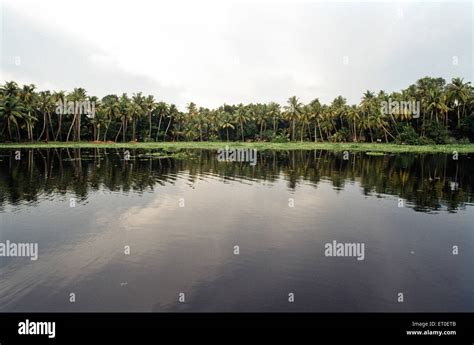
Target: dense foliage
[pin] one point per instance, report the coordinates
(445, 115)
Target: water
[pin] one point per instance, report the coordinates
(190, 249)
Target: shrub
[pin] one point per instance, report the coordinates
(436, 132)
(408, 136)
(280, 139)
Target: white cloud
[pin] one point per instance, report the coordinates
(213, 52)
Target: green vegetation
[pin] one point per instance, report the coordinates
(428, 112)
(262, 146)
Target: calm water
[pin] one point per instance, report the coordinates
(190, 249)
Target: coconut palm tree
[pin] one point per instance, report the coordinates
(110, 111)
(29, 99)
(78, 96)
(274, 112)
(458, 93)
(149, 105)
(226, 122)
(11, 108)
(171, 114)
(292, 111)
(314, 108)
(46, 105)
(137, 109)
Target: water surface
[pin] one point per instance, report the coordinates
(190, 249)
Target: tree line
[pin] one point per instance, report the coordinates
(430, 111)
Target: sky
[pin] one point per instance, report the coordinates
(216, 52)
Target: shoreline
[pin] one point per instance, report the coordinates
(262, 146)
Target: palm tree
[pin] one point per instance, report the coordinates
(137, 108)
(304, 119)
(172, 112)
(314, 108)
(150, 105)
(111, 110)
(78, 96)
(353, 116)
(29, 99)
(293, 111)
(226, 122)
(367, 106)
(123, 115)
(274, 113)
(162, 109)
(46, 106)
(59, 97)
(11, 107)
(458, 93)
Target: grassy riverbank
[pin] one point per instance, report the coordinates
(366, 147)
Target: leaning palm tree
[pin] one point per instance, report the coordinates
(292, 112)
(172, 112)
(163, 110)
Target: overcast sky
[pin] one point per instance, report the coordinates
(215, 52)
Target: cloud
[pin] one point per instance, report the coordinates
(215, 52)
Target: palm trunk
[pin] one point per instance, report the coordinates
(149, 123)
(118, 133)
(159, 126)
(70, 128)
(44, 125)
(166, 130)
(59, 134)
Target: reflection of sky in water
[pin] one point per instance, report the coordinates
(190, 250)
